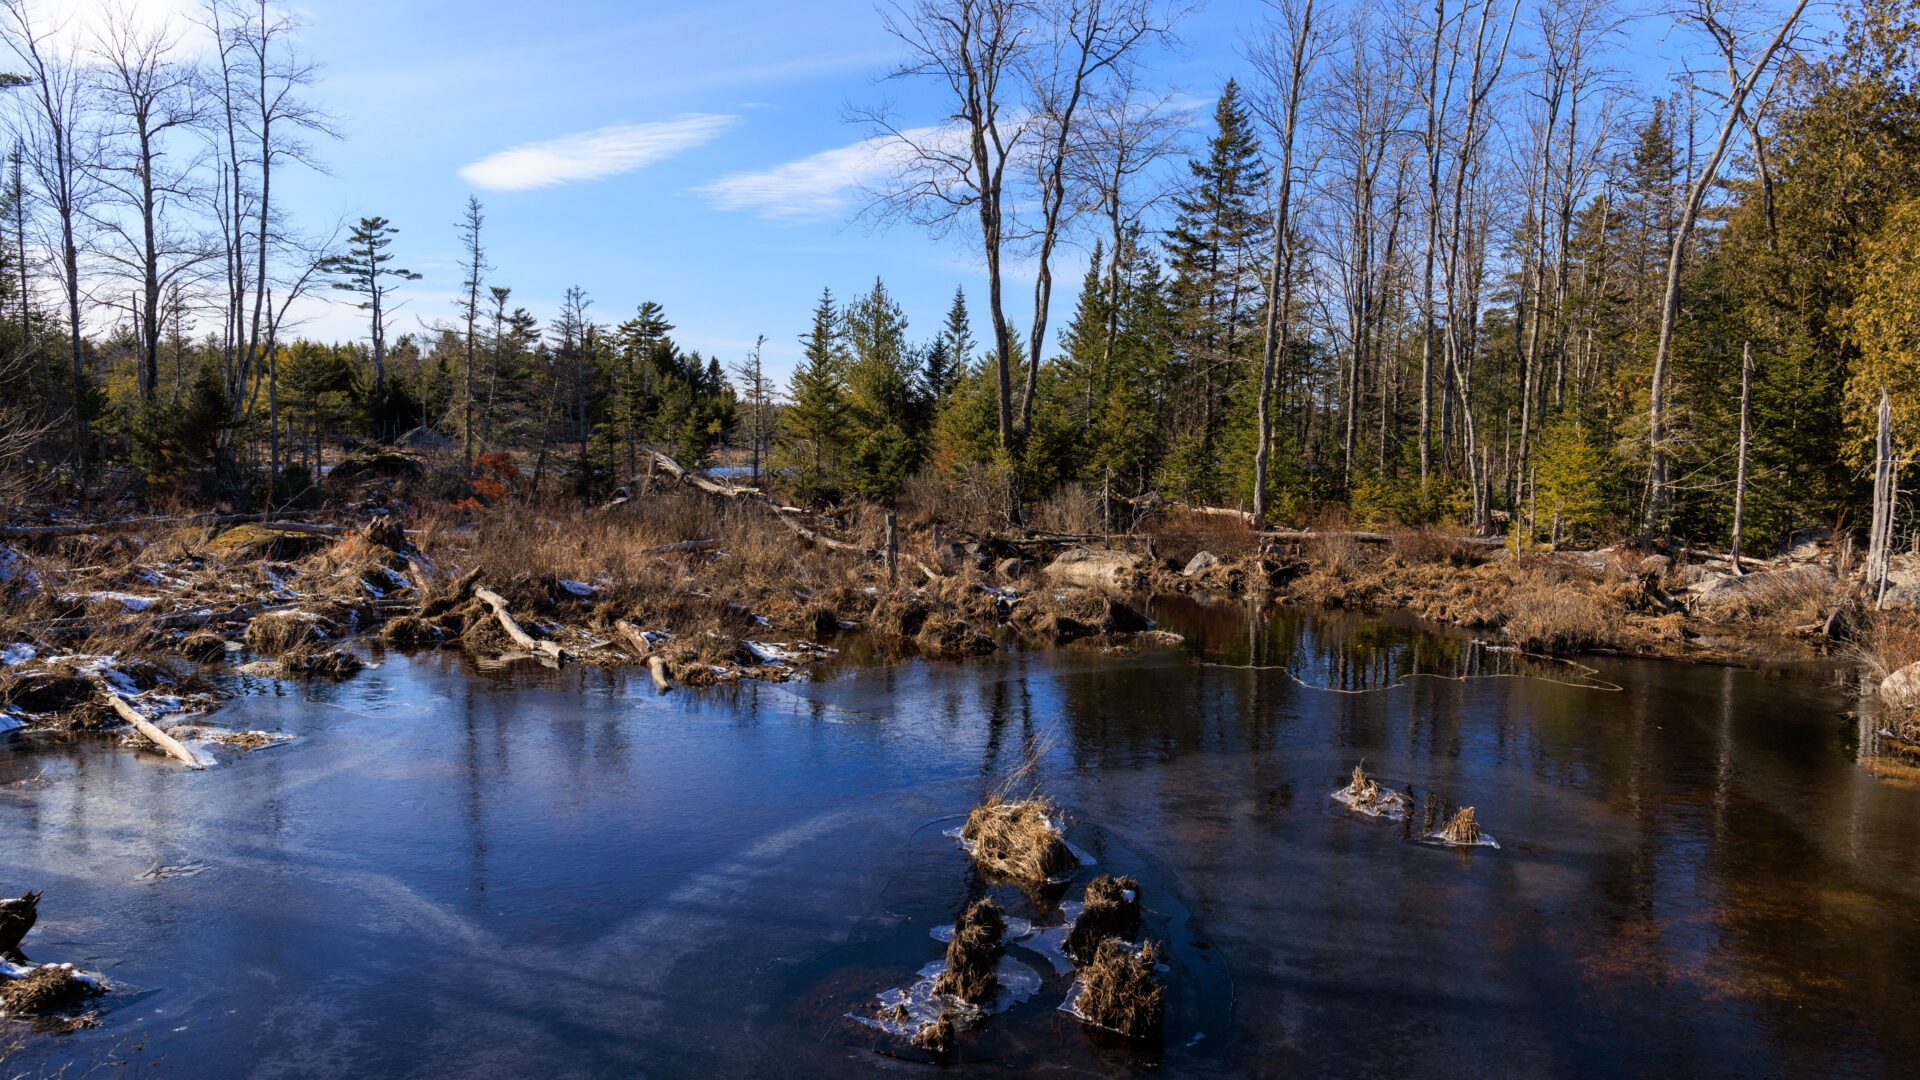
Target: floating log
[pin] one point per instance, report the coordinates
(520, 637)
(145, 727)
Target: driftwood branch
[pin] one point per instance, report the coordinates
(145, 727)
(520, 637)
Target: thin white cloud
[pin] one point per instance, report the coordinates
(820, 186)
(592, 155)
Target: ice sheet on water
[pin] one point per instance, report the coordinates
(1391, 805)
(1017, 928)
(1051, 943)
(1018, 983)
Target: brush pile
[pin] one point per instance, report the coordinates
(1018, 840)
(1112, 911)
(1119, 991)
(973, 955)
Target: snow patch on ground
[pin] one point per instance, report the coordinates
(17, 654)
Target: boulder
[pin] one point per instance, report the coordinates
(1759, 587)
(1901, 597)
(1201, 563)
(1653, 566)
(1902, 688)
(1806, 543)
(1096, 568)
(1009, 569)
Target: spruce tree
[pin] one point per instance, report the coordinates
(815, 422)
(1214, 250)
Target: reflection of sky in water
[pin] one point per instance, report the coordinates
(530, 873)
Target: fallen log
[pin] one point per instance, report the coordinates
(38, 532)
(641, 646)
(520, 637)
(684, 545)
(1298, 535)
(145, 727)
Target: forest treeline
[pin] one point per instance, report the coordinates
(1415, 265)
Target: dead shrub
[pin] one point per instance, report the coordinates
(974, 954)
(1112, 911)
(45, 989)
(1120, 991)
(1018, 840)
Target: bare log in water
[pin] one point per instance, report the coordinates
(145, 727)
(520, 637)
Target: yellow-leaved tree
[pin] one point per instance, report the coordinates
(1883, 322)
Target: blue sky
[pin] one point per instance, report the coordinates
(692, 155)
(706, 102)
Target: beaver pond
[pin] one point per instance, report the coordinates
(463, 871)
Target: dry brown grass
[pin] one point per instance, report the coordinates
(311, 663)
(935, 1035)
(1890, 641)
(974, 954)
(1119, 990)
(1426, 547)
(1018, 841)
(1558, 618)
(1791, 596)
(45, 989)
(203, 647)
(1462, 829)
(1179, 535)
(1110, 912)
(276, 632)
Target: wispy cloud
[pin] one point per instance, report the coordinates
(820, 186)
(592, 155)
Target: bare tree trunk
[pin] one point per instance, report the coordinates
(1740, 471)
(1670, 305)
(1280, 271)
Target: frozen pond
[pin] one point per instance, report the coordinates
(464, 873)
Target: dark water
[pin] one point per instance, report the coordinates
(455, 873)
